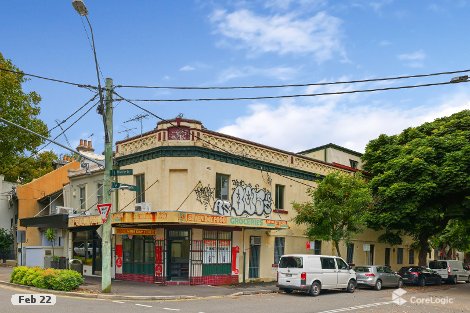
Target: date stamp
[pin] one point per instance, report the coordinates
(33, 299)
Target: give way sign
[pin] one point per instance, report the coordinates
(104, 209)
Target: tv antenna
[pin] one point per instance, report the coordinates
(138, 118)
(127, 131)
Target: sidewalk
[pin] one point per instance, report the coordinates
(143, 291)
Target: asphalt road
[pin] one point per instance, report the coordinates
(362, 300)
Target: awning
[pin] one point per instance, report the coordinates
(48, 221)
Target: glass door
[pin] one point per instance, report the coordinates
(178, 254)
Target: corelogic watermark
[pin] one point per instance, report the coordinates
(397, 298)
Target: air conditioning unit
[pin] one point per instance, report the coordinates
(143, 207)
(64, 210)
(255, 241)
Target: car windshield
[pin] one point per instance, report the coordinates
(291, 262)
(438, 265)
(362, 269)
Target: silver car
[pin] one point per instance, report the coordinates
(377, 276)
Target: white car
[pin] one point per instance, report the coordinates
(80, 249)
(451, 271)
(313, 273)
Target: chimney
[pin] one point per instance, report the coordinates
(85, 146)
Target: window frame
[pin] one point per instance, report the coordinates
(140, 183)
(279, 196)
(82, 197)
(400, 255)
(219, 186)
(277, 246)
(99, 193)
(411, 256)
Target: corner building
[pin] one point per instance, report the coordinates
(211, 208)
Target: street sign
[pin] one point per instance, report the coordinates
(121, 172)
(115, 185)
(104, 209)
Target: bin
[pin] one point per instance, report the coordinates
(76, 265)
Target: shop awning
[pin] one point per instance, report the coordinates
(48, 221)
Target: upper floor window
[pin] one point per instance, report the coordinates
(99, 193)
(353, 163)
(82, 198)
(279, 200)
(140, 183)
(221, 186)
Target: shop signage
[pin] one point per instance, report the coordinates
(119, 262)
(90, 220)
(136, 231)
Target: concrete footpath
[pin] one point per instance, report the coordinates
(127, 290)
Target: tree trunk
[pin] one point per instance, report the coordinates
(337, 248)
(423, 251)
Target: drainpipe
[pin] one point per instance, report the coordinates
(244, 253)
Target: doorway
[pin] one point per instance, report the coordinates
(178, 255)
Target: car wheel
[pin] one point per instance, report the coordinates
(454, 280)
(468, 280)
(421, 282)
(351, 286)
(288, 290)
(400, 283)
(378, 285)
(315, 289)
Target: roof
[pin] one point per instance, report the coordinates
(333, 146)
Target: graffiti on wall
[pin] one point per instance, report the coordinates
(205, 195)
(246, 200)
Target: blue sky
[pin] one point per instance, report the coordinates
(230, 43)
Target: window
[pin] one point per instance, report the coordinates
(99, 193)
(291, 262)
(279, 244)
(411, 256)
(317, 247)
(400, 256)
(350, 253)
(328, 263)
(140, 183)
(82, 198)
(353, 163)
(341, 264)
(221, 186)
(380, 269)
(387, 256)
(279, 201)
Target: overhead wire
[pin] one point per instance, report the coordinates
(298, 95)
(295, 85)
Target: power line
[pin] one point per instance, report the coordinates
(299, 95)
(293, 85)
(49, 79)
(202, 139)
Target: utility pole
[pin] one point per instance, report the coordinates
(108, 166)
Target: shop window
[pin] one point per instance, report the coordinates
(279, 244)
(350, 253)
(217, 255)
(99, 193)
(138, 255)
(221, 186)
(399, 255)
(279, 201)
(411, 256)
(82, 197)
(140, 183)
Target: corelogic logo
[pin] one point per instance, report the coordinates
(397, 296)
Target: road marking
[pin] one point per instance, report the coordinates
(170, 309)
(144, 305)
(121, 302)
(357, 307)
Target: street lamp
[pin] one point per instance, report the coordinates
(107, 114)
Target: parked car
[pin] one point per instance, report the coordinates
(451, 271)
(80, 249)
(377, 276)
(313, 273)
(419, 275)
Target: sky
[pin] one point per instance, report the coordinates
(244, 43)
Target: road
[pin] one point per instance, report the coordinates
(362, 300)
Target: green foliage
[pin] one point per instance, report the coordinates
(65, 280)
(455, 235)
(50, 235)
(421, 178)
(21, 108)
(337, 210)
(29, 168)
(6, 242)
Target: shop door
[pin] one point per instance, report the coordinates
(255, 245)
(96, 254)
(178, 254)
(139, 255)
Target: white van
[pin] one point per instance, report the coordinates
(451, 271)
(312, 273)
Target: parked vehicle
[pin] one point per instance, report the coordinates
(377, 276)
(419, 275)
(313, 273)
(451, 271)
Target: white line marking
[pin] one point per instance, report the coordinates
(358, 307)
(144, 305)
(119, 302)
(170, 309)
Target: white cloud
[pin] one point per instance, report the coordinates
(318, 35)
(413, 59)
(187, 68)
(297, 127)
(278, 73)
(384, 43)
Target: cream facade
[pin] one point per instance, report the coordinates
(335, 154)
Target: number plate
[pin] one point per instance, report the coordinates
(288, 275)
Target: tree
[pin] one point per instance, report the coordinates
(337, 209)
(28, 168)
(21, 108)
(454, 236)
(6, 243)
(420, 179)
(50, 236)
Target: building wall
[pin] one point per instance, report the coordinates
(331, 154)
(29, 194)
(90, 182)
(7, 209)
